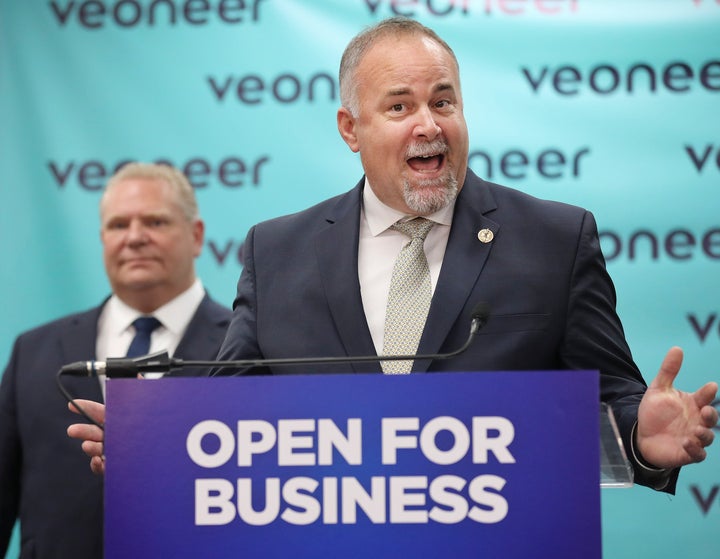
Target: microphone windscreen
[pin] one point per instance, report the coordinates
(481, 313)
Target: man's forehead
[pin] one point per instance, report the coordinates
(415, 42)
(165, 209)
(152, 192)
(397, 57)
(121, 209)
(141, 183)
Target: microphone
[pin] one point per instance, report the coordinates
(161, 362)
(124, 367)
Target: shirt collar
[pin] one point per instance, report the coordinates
(174, 315)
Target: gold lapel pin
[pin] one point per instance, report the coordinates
(485, 235)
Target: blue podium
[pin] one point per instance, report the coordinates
(477, 464)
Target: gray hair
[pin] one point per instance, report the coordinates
(363, 41)
(174, 177)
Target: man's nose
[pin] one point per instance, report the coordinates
(137, 233)
(426, 127)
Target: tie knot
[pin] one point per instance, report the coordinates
(417, 228)
(146, 324)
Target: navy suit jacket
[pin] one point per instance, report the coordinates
(543, 276)
(45, 478)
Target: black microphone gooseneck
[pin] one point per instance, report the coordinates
(161, 362)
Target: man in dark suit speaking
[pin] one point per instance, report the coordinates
(397, 265)
(151, 233)
(335, 280)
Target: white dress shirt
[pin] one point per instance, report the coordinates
(378, 249)
(115, 329)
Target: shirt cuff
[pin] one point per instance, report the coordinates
(658, 478)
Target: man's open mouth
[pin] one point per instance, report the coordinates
(426, 163)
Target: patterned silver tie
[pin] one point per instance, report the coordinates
(409, 297)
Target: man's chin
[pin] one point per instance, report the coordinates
(140, 281)
(429, 196)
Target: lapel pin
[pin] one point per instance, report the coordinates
(485, 235)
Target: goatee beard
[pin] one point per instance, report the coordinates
(427, 196)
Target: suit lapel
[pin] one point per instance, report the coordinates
(337, 248)
(205, 330)
(203, 337)
(464, 259)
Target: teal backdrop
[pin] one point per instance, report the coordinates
(609, 104)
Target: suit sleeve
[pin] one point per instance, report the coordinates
(595, 340)
(10, 453)
(241, 340)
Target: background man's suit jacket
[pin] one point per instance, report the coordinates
(543, 276)
(42, 470)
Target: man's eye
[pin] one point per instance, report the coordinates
(117, 225)
(398, 107)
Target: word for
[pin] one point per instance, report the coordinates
(604, 79)
(678, 244)
(232, 172)
(125, 14)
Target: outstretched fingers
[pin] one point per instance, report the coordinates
(669, 369)
(704, 397)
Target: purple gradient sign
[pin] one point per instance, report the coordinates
(425, 465)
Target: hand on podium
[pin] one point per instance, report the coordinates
(675, 427)
(91, 435)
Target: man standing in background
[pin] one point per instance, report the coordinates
(151, 233)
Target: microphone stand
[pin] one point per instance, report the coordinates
(161, 362)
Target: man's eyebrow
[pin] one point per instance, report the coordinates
(444, 86)
(396, 92)
(151, 214)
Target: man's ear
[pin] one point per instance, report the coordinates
(346, 127)
(198, 233)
